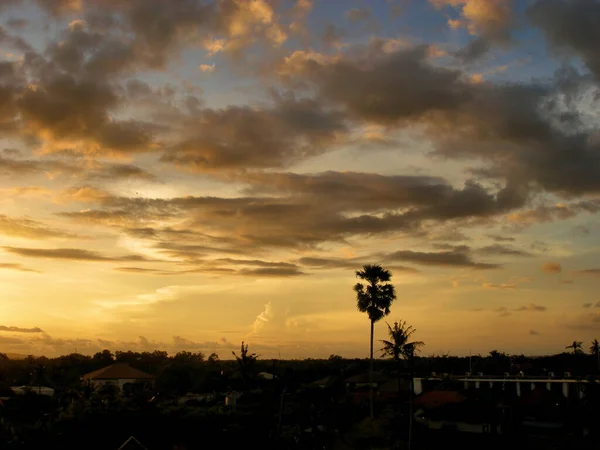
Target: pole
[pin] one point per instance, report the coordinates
(470, 366)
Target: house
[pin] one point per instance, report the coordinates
(132, 444)
(451, 410)
(363, 379)
(396, 388)
(40, 390)
(121, 375)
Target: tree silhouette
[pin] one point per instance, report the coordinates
(246, 362)
(399, 348)
(576, 346)
(374, 298)
(595, 350)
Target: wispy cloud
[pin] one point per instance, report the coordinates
(532, 308)
(551, 268)
(20, 329)
(262, 319)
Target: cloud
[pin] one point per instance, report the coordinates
(20, 330)
(287, 210)
(357, 14)
(17, 267)
(534, 333)
(206, 68)
(28, 229)
(491, 18)
(570, 27)
(551, 268)
(262, 319)
(562, 211)
(532, 308)
(442, 259)
(244, 137)
(271, 272)
(498, 286)
(501, 250)
(60, 7)
(73, 254)
(499, 238)
(502, 311)
(587, 272)
(524, 125)
(590, 321)
(590, 305)
(69, 165)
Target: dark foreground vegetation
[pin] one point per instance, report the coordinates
(308, 404)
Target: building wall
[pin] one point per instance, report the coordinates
(117, 382)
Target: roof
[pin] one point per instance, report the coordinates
(132, 444)
(395, 386)
(364, 378)
(327, 381)
(118, 371)
(540, 397)
(435, 399)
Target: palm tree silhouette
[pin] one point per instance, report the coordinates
(595, 350)
(246, 362)
(375, 299)
(399, 348)
(576, 346)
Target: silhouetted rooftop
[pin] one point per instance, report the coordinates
(118, 371)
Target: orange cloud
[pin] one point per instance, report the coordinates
(552, 268)
(487, 17)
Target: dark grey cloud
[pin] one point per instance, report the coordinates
(71, 165)
(432, 197)
(441, 259)
(502, 250)
(501, 287)
(534, 333)
(272, 272)
(520, 132)
(532, 308)
(499, 238)
(571, 26)
(357, 14)
(14, 42)
(20, 329)
(474, 49)
(73, 254)
(347, 264)
(17, 23)
(245, 137)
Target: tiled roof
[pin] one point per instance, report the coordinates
(118, 371)
(434, 399)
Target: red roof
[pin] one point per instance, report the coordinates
(118, 371)
(434, 399)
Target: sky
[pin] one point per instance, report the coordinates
(187, 175)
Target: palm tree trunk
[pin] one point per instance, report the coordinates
(371, 411)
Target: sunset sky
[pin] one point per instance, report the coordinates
(185, 175)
